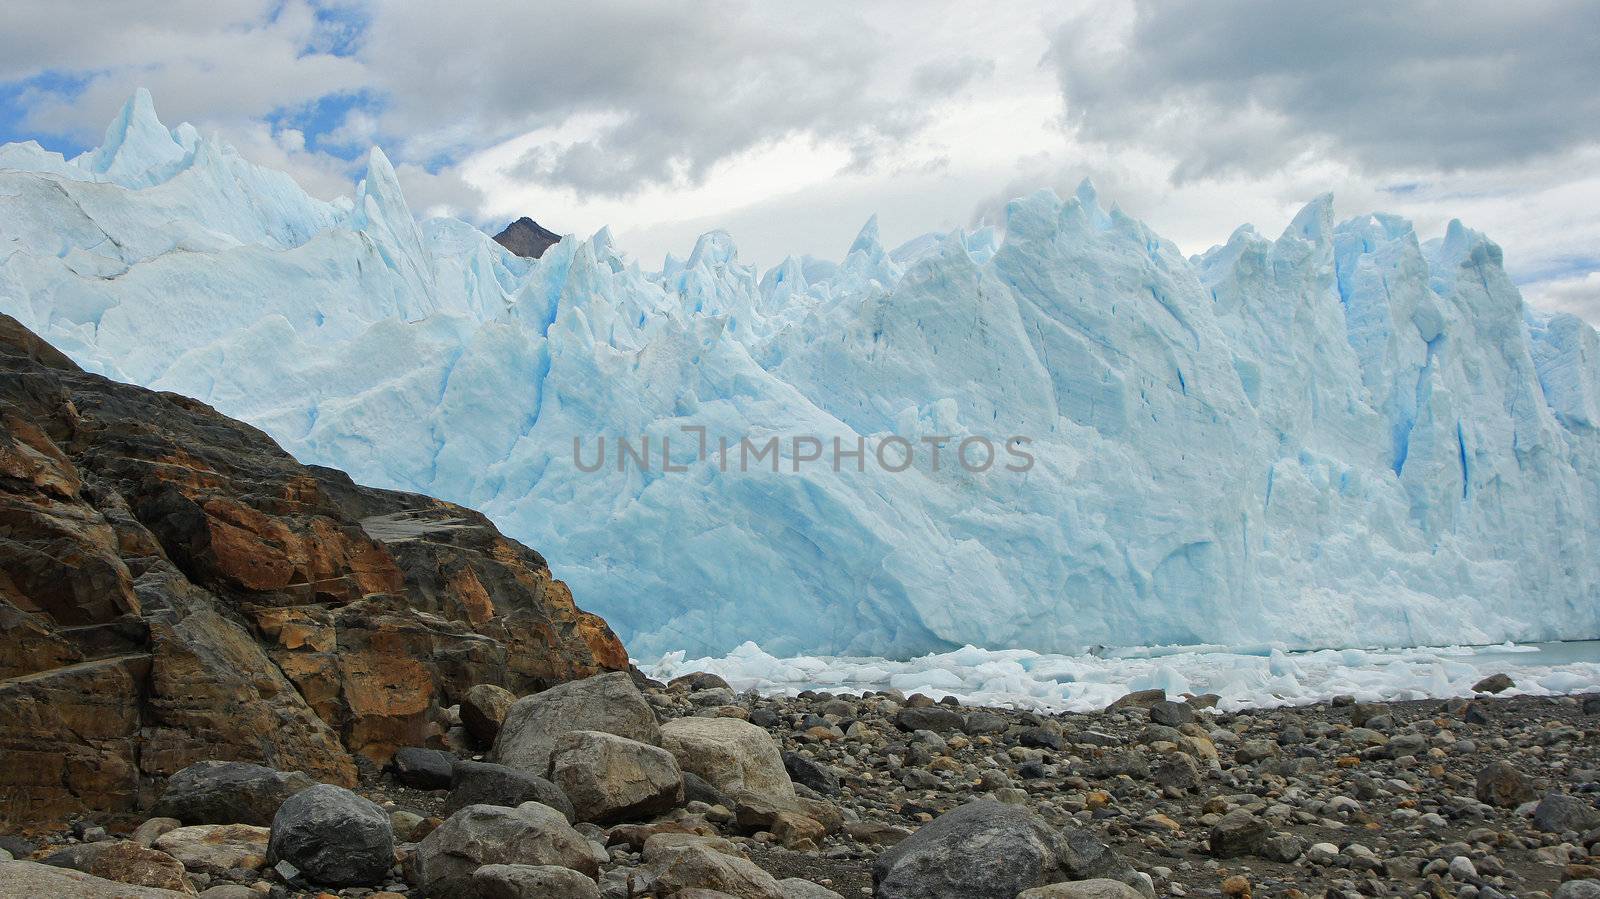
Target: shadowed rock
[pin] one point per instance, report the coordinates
(174, 588)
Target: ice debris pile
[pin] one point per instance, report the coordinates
(1242, 677)
(1342, 436)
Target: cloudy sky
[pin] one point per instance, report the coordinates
(789, 127)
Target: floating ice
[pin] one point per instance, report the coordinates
(1343, 436)
(1083, 683)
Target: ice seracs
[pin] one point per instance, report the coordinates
(1342, 436)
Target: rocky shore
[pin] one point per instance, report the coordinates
(618, 786)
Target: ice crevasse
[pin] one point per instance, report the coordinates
(1342, 436)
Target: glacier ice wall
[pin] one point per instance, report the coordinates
(1341, 436)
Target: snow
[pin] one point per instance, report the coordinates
(1342, 436)
(1267, 678)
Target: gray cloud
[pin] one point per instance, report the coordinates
(946, 76)
(683, 85)
(1236, 84)
(218, 65)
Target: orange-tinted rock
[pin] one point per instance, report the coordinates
(175, 588)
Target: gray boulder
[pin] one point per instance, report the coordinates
(1171, 714)
(936, 718)
(608, 703)
(982, 721)
(813, 774)
(1560, 813)
(611, 778)
(734, 756)
(333, 836)
(1578, 889)
(228, 793)
(531, 882)
(698, 865)
(991, 850)
(530, 834)
(1494, 683)
(796, 888)
(483, 783)
(423, 769)
(1239, 833)
(1501, 784)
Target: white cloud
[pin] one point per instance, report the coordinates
(789, 127)
(1579, 295)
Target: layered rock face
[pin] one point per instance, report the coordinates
(174, 587)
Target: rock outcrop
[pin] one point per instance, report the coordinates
(176, 588)
(527, 238)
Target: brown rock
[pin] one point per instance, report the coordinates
(176, 588)
(31, 879)
(127, 862)
(697, 866)
(483, 710)
(215, 848)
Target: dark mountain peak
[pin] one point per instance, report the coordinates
(527, 238)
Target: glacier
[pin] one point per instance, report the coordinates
(1342, 436)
